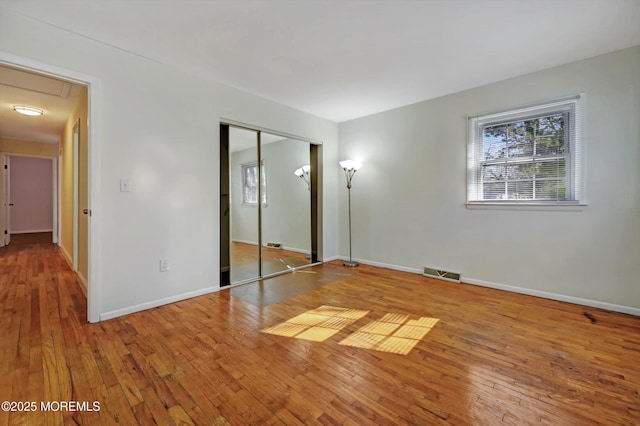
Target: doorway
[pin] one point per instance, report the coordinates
(29, 191)
(65, 82)
(269, 205)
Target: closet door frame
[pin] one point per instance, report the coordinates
(315, 177)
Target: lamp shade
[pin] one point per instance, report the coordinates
(304, 170)
(350, 165)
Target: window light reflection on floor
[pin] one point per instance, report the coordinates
(391, 333)
(317, 324)
(394, 333)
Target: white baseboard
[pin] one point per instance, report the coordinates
(253, 243)
(66, 256)
(530, 292)
(384, 265)
(31, 231)
(296, 250)
(554, 296)
(155, 303)
(83, 284)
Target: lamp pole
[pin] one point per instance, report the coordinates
(350, 167)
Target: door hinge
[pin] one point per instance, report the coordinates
(5, 232)
(6, 167)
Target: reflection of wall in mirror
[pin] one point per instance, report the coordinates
(287, 217)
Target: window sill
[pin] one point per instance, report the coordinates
(551, 207)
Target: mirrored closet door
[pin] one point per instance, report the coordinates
(267, 204)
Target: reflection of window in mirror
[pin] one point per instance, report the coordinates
(250, 184)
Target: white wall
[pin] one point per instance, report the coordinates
(286, 218)
(408, 198)
(160, 129)
(31, 181)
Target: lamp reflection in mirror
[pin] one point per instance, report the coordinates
(303, 173)
(350, 167)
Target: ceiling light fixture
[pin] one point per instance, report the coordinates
(27, 110)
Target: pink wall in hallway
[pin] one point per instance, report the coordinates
(32, 194)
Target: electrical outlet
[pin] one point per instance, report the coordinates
(164, 264)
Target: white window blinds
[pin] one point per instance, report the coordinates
(530, 155)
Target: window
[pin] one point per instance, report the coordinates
(526, 156)
(250, 184)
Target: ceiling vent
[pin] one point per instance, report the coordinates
(441, 274)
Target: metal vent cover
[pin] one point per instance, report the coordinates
(441, 274)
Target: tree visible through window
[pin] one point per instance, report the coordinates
(250, 184)
(525, 155)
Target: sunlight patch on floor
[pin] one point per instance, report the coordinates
(391, 333)
(394, 333)
(318, 324)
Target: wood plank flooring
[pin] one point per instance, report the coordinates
(245, 259)
(493, 358)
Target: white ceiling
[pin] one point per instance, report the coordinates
(343, 59)
(55, 97)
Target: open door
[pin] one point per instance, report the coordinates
(5, 204)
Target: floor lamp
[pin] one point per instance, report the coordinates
(303, 173)
(350, 167)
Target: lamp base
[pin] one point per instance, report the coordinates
(350, 263)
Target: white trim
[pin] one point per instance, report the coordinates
(572, 108)
(75, 192)
(2, 198)
(513, 289)
(66, 256)
(83, 284)
(56, 226)
(155, 303)
(253, 243)
(555, 296)
(295, 250)
(382, 265)
(241, 125)
(31, 231)
(550, 207)
(331, 259)
(94, 118)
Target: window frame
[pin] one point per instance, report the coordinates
(572, 109)
(263, 181)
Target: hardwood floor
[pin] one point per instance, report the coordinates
(244, 261)
(32, 238)
(492, 358)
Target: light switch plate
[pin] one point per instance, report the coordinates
(125, 185)
(164, 264)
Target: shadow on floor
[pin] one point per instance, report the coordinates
(32, 238)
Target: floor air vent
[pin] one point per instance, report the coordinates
(440, 274)
(274, 245)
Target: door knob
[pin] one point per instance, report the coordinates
(85, 211)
